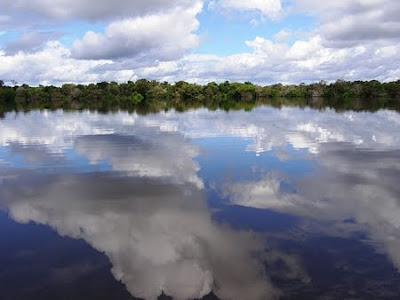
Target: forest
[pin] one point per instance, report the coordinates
(151, 96)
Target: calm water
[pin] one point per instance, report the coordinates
(273, 203)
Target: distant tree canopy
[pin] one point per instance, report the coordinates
(154, 96)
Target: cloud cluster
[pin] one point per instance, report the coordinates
(351, 40)
(271, 9)
(135, 34)
(164, 36)
(308, 60)
(52, 65)
(348, 23)
(88, 10)
(268, 62)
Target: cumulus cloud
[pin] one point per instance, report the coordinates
(348, 23)
(88, 10)
(354, 41)
(267, 62)
(350, 40)
(306, 60)
(50, 65)
(164, 36)
(271, 8)
(282, 36)
(145, 33)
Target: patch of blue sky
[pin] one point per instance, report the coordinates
(223, 34)
(7, 36)
(218, 153)
(76, 30)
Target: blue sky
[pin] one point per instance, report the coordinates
(224, 34)
(264, 41)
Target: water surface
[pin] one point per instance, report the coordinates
(274, 203)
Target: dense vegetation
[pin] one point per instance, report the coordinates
(144, 95)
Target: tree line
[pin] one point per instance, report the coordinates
(149, 95)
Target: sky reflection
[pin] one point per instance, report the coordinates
(173, 199)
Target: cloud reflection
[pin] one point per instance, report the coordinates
(350, 183)
(121, 140)
(267, 127)
(146, 154)
(148, 214)
(158, 236)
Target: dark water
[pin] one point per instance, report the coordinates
(274, 203)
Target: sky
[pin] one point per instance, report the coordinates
(263, 41)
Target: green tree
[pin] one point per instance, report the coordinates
(136, 98)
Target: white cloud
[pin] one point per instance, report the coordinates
(347, 23)
(88, 10)
(164, 36)
(269, 8)
(50, 65)
(282, 36)
(126, 46)
(351, 40)
(307, 60)
(268, 62)
(143, 32)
